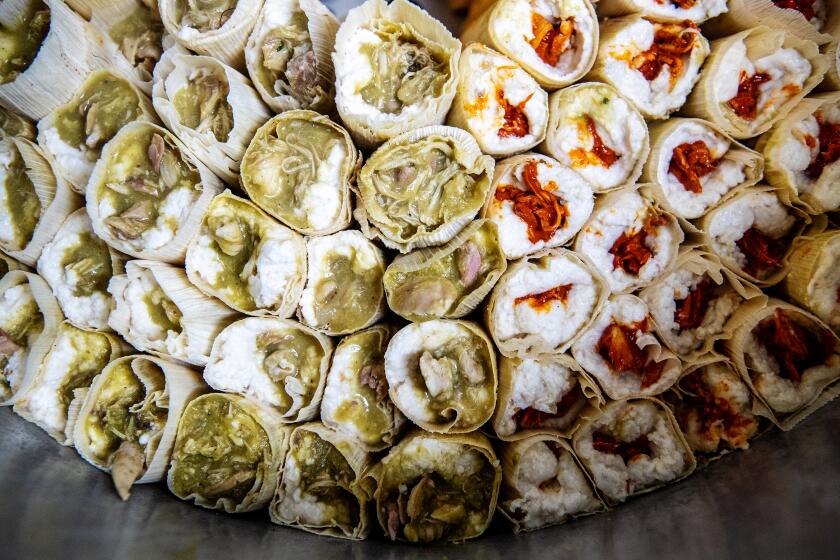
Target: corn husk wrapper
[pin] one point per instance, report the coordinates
(678, 393)
(690, 461)
(531, 345)
(752, 162)
(359, 461)
(337, 386)
(288, 303)
(809, 254)
(12, 124)
(374, 217)
(823, 195)
(26, 402)
(415, 386)
(175, 250)
(734, 349)
(350, 166)
(225, 43)
(72, 162)
(369, 131)
(70, 50)
(462, 109)
(322, 26)
(653, 9)
(589, 391)
(421, 258)
(610, 29)
(803, 221)
(175, 69)
(700, 262)
(747, 14)
(831, 82)
(202, 317)
(481, 30)
(308, 411)
(560, 99)
(43, 342)
(57, 199)
(610, 200)
(265, 485)
(510, 455)
(11, 264)
(760, 41)
(380, 477)
(174, 389)
(74, 224)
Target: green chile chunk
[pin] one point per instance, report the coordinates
(364, 407)
(282, 164)
(405, 70)
(220, 452)
(345, 297)
(90, 261)
(123, 411)
(20, 43)
(24, 206)
(326, 474)
(97, 113)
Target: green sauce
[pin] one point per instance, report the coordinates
(20, 42)
(202, 105)
(405, 70)
(139, 37)
(204, 15)
(220, 452)
(103, 106)
(12, 124)
(92, 352)
(283, 163)
(162, 310)
(291, 352)
(24, 206)
(346, 297)
(90, 260)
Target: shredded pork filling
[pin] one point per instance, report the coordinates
(139, 37)
(203, 106)
(289, 65)
(204, 15)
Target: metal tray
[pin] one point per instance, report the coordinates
(779, 499)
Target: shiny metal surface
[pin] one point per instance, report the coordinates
(779, 499)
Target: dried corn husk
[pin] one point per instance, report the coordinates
(482, 67)
(321, 27)
(376, 216)
(76, 163)
(44, 398)
(589, 398)
(410, 459)
(268, 470)
(760, 41)
(571, 480)
(209, 185)
(201, 318)
(531, 344)
(656, 169)
(564, 107)
(368, 125)
(173, 74)
(70, 50)
(813, 263)
(482, 234)
(698, 12)
(291, 491)
(582, 441)
(821, 195)
(39, 344)
(405, 372)
(225, 42)
(171, 385)
(824, 389)
(747, 14)
(485, 29)
(55, 195)
(264, 230)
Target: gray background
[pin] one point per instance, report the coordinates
(780, 499)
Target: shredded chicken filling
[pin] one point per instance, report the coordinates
(631, 251)
(745, 102)
(691, 310)
(795, 346)
(515, 122)
(690, 163)
(672, 46)
(617, 346)
(552, 38)
(202, 104)
(762, 253)
(292, 360)
(599, 154)
(139, 37)
(289, 65)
